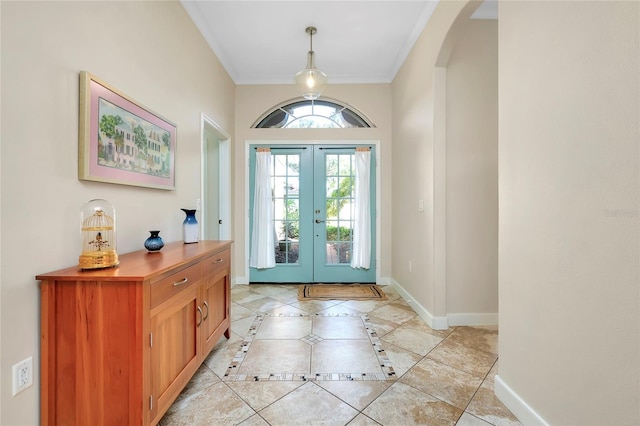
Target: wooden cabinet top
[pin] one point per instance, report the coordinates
(141, 265)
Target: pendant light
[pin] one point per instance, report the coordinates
(311, 81)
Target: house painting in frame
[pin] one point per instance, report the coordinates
(120, 141)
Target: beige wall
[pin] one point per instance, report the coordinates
(472, 174)
(569, 233)
(419, 238)
(372, 100)
(413, 231)
(149, 50)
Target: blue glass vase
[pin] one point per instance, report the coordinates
(190, 227)
(154, 242)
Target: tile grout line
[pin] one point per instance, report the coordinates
(446, 365)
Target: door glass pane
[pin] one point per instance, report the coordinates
(339, 208)
(332, 185)
(286, 169)
(345, 165)
(332, 165)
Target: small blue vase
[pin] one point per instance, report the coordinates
(190, 227)
(154, 242)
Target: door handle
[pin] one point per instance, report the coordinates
(319, 221)
(207, 314)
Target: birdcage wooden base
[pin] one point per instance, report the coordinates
(98, 260)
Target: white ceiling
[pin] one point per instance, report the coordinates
(264, 42)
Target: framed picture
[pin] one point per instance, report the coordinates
(120, 141)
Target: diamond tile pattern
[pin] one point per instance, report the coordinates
(291, 362)
(311, 339)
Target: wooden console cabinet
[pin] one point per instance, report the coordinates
(119, 344)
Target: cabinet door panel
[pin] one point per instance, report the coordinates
(174, 351)
(91, 357)
(215, 294)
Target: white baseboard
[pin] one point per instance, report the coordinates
(437, 323)
(451, 320)
(383, 281)
(239, 280)
(517, 405)
(472, 319)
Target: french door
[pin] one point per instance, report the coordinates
(313, 214)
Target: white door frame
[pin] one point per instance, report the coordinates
(224, 166)
(247, 143)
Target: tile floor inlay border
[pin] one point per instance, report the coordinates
(386, 369)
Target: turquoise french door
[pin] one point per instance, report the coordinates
(313, 221)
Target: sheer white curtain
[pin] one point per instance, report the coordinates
(361, 256)
(262, 235)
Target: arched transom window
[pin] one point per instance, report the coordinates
(316, 114)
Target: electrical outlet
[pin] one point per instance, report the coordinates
(410, 266)
(22, 375)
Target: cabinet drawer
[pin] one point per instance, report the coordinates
(173, 284)
(217, 263)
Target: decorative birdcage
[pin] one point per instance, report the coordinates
(98, 235)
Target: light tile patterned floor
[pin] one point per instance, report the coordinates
(299, 346)
(423, 376)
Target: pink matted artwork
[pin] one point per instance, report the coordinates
(121, 141)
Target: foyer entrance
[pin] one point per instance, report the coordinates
(314, 213)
